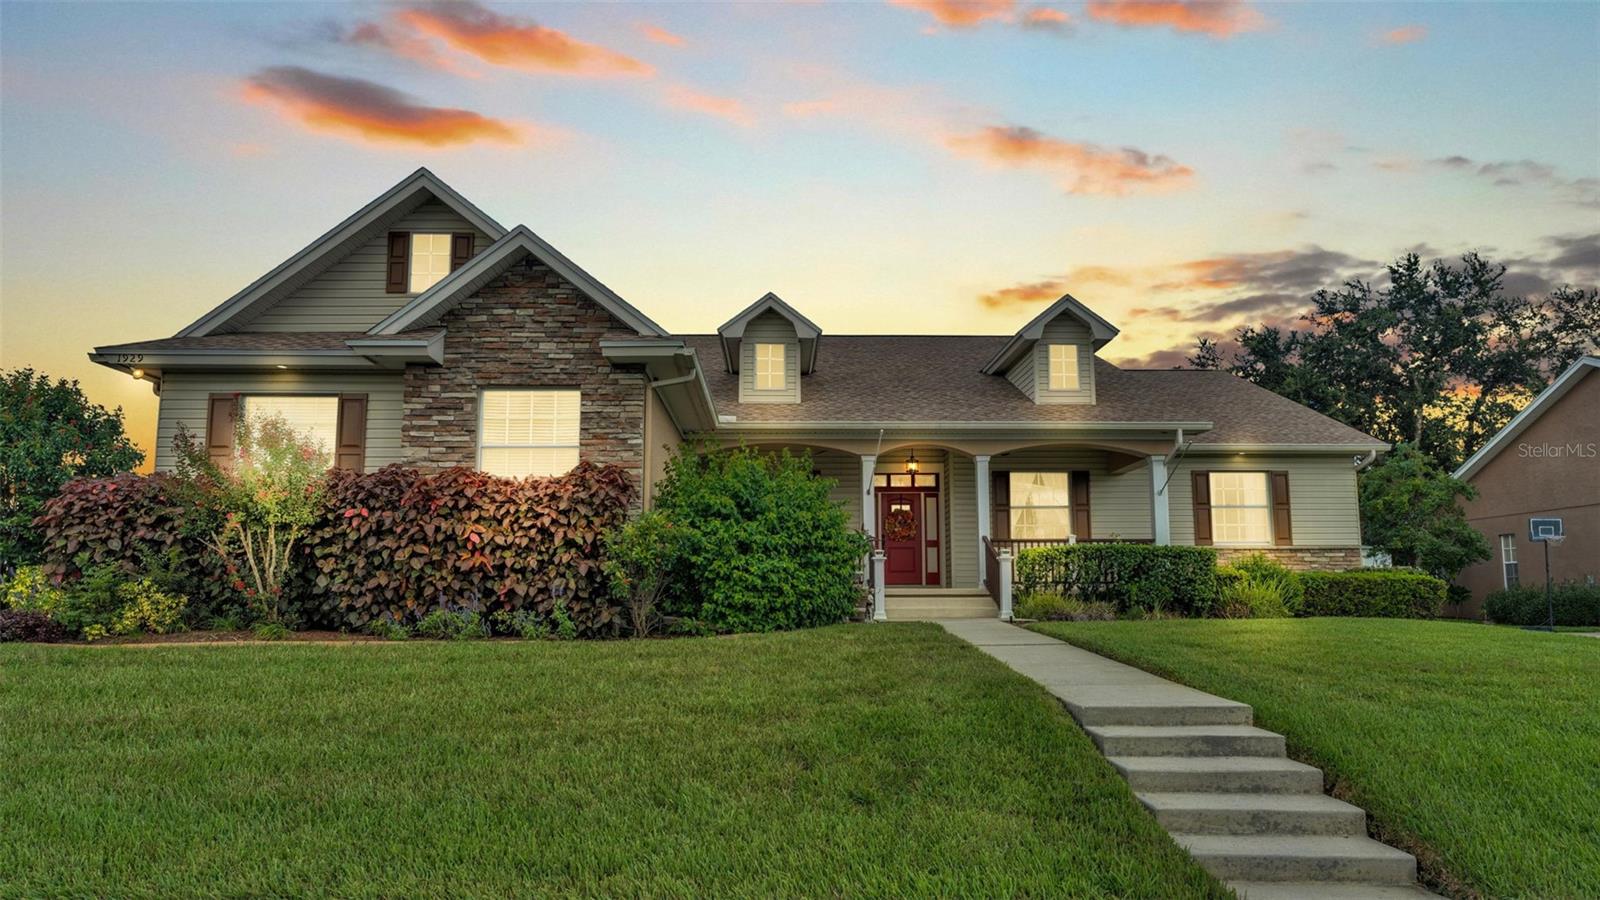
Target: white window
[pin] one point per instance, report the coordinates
(770, 375)
(430, 260)
(528, 432)
(1241, 508)
(315, 419)
(1508, 560)
(1063, 367)
(1041, 506)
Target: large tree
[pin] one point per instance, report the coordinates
(1409, 510)
(1441, 357)
(49, 433)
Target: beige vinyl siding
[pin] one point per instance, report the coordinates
(1322, 495)
(961, 499)
(769, 328)
(1119, 505)
(1064, 330)
(661, 440)
(184, 396)
(1022, 374)
(350, 295)
(845, 470)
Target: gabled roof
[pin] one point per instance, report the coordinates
(732, 331)
(1530, 414)
(517, 244)
(1030, 333)
(337, 243)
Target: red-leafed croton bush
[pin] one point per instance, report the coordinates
(400, 542)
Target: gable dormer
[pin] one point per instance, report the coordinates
(770, 346)
(1051, 359)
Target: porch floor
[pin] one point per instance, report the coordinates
(925, 604)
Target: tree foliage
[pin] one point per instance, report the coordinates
(1441, 357)
(49, 434)
(1409, 510)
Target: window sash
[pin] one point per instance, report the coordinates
(1241, 509)
(1063, 367)
(314, 417)
(1040, 505)
(529, 432)
(430, 260)
(770, 369)
(1510, 572)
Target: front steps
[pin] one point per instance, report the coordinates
(926, 604)
(1224, 789)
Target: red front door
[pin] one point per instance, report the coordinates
(900, 516)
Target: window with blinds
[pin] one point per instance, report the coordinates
(1241, 508)
(315, 419)
(430, 260)
(528, 432)
(1041, 506)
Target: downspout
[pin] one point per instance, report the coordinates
(1363, 462)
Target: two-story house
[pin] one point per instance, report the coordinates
(421, 331)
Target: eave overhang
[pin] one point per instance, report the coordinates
(676, 377)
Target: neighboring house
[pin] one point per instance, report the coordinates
(422, 331)
(1544, 463)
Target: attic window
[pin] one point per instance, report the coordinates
(430, 260)
(1063, 367)
(770, 373)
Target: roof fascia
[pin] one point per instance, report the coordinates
(453, 287)
(361, 219)
(1530, 413)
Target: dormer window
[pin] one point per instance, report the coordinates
(1063, 367)
(770, 371)
(419, 260)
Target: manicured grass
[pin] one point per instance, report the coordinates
(854, 760)
(1477, 748)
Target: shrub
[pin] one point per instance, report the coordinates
(271, 631)
(764, 547)
(1259, 568)
(105, 602)
(1130, 577)
(32, 590)
(1389, 593)
(1054, 607)
(1241, 596)
(49, 434)
(453, 625)
(1575, 604)
(388, 629)
(29, 625)
(522, 623)
(401, 542)
(639, 560)
(145, 607)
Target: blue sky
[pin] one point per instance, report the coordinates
(921, 166)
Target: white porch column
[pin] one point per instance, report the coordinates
(880, 612)
(1161, 521)
(869, 511)
(1005, 584)
(983, 515)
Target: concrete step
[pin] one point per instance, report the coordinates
(935, 614)
(1299, 858)
(894, 592)
(1306, 890)
(1117, 704)
(1285, 814)
(1185, 740)
(1244, 774)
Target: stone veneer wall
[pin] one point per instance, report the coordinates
(1301, 559)
(527, 328)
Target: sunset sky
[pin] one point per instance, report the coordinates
(911, 166)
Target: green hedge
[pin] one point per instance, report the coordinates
(1383, 593)
(1575, 603)
(1180, 580)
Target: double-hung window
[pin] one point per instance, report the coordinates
(1063, 367)
(770, 374)
(1509, 571)
(528, 432)
(1241, 508)
(1041, 507)
(314, 419)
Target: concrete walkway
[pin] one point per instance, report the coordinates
(1223, 788)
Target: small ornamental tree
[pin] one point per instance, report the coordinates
(764, 547)
(1410, 510)
(49, 434)
(639, 559)
(259, 507)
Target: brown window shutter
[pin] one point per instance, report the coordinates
(1202, 507)
(352, 429)
(221, 416)
(460, 249)
(399, 271)
(1282, 531)
(1079, 480)
(1000, 505)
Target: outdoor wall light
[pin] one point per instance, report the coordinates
(138, 373)
(911, 463)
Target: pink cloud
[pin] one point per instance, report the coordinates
(1406, 34)
(515, 42)
(1080, 168)
(1217, 18)
(659, 35)
(1046, 17)
(729, 109)
(363, 110)
(962, 13)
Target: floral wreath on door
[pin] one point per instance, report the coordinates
(900, 524)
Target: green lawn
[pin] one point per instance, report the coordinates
(1477, 748)
(854, 760)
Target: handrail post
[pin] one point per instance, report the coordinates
(1005, 584)
(879, 613)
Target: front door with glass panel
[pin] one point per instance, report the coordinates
(910, 525)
